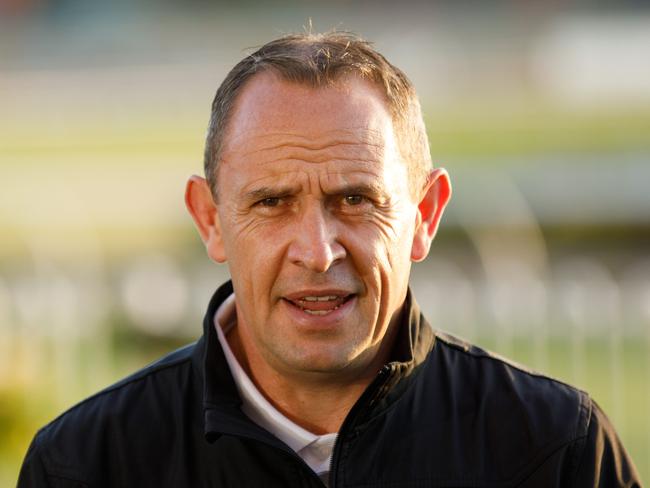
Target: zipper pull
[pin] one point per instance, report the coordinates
(380, 383)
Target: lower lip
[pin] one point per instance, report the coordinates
(305, 319)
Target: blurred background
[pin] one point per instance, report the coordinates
(539, 110)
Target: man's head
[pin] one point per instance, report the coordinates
(317, 217)
(320, 60)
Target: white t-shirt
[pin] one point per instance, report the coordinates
(315, 450)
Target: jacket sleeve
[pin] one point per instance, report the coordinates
(32, 472)
(604, 461)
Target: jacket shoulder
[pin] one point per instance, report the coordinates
(473, 359)
(111, 425)
(159, 374)
(508, 423)
(471, 418)
(550, 407)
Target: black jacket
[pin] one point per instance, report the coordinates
(443, 413)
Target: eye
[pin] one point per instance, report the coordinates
(354, 199)
(269, 202)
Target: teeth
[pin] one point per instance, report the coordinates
(318, 312)
(326, 298)
(303, 303)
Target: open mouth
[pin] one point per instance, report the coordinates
(319, 304)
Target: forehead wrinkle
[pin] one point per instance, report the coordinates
(286, 182)
(335, 150)
(338, 182)
(361, 136)
(286, 153)
(295, 181)
(317, 147)
(368, 168)
(346, 175)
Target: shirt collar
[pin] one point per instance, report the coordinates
(254, 404)
(315, 449)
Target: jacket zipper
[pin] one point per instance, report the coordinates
(365, 399)
(284, 449)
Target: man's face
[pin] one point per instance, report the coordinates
(316, 221)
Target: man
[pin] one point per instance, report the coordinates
(316, 366)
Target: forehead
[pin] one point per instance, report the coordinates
(269, 106)
(284, 133)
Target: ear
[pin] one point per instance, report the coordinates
(202, 208)
(434, 198)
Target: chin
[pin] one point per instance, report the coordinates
(317, 364)
(322, 362)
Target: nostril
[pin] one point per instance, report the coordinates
(316, 243)
(318, 258)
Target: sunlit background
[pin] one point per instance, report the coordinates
(539, 110)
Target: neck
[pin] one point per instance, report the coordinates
(318, 402)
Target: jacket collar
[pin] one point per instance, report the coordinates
(414, 341)
(221, 402)
(414, 337)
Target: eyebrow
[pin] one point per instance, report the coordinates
(268, 192)
(359, 189)
(284, 191)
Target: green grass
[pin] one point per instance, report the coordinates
(492, 131)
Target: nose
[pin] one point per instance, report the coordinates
(315, 245)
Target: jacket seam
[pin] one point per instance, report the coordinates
(536, 462)
(575, 439)
(50, 471)
(66, 478)
(587, 412)
(484, 355)
(35, 449)
(550, 454)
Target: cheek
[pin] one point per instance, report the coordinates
(392, 242)
(392, 265)
(246, 239)
(255, 258)
(381, 257)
